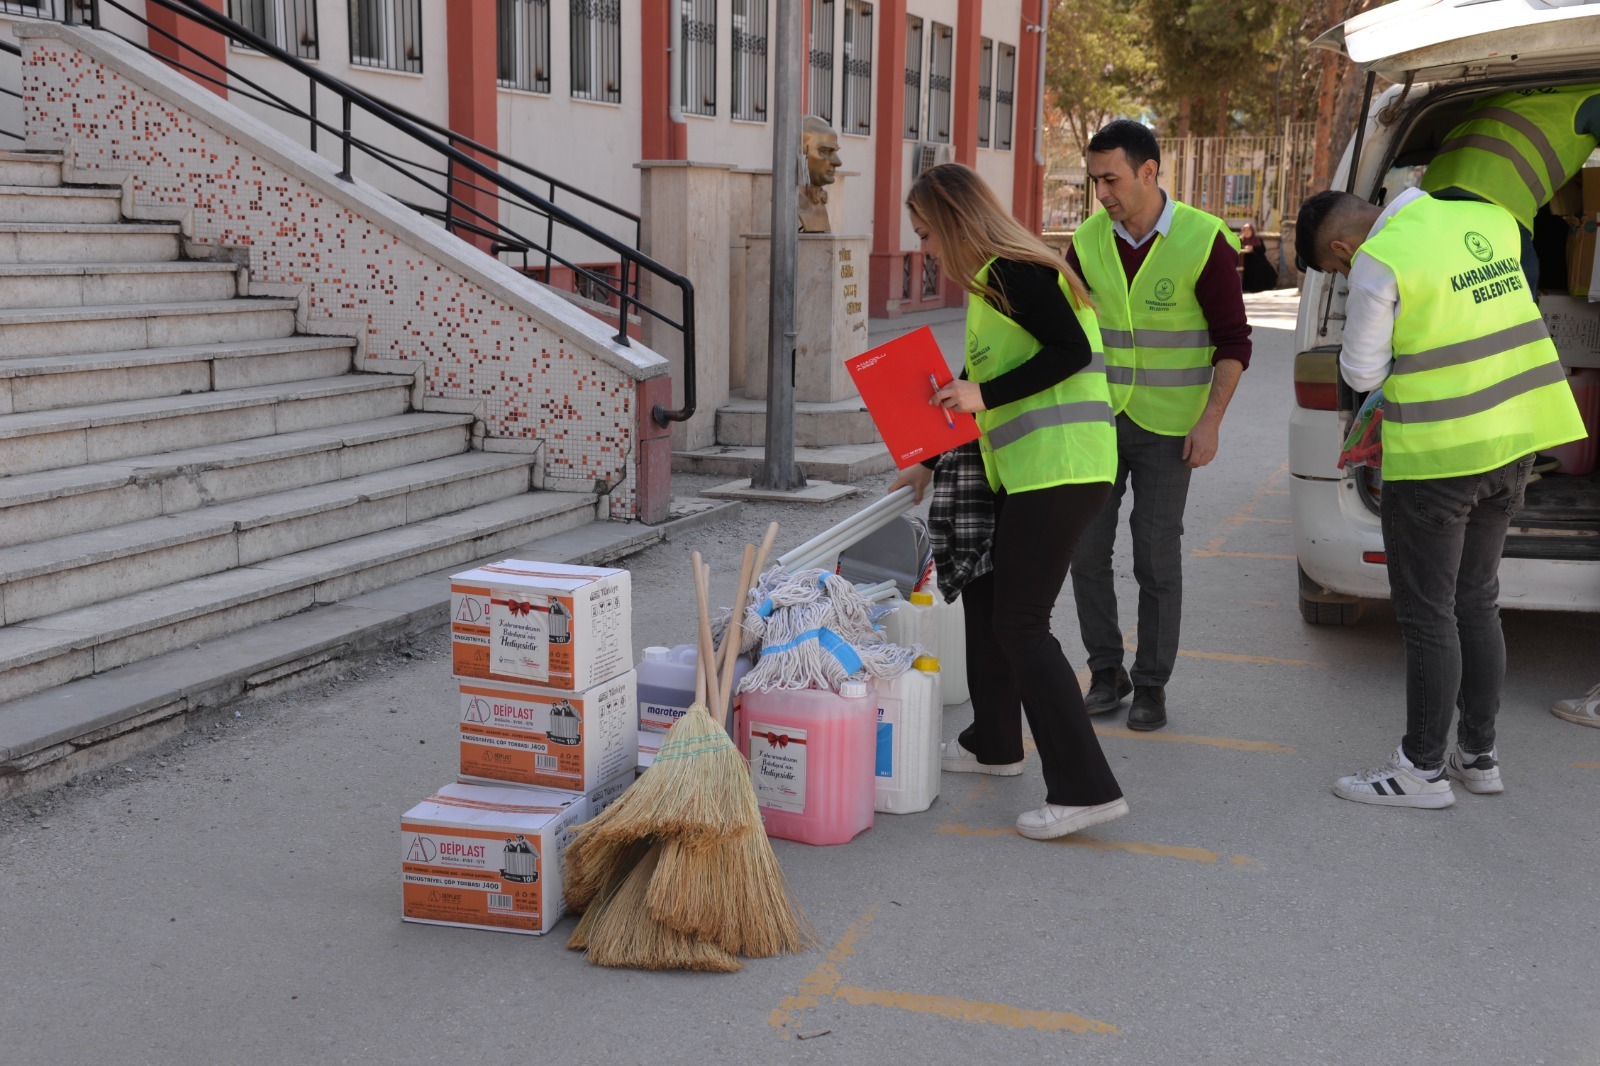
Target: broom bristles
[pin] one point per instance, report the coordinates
(596, 907)
(732, 894)
(592, 865)
(625, 935)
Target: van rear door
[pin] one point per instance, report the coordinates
(1449, 40)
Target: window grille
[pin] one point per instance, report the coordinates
(387, 34)
(985, 81)
(697, 71)
(749, 60)
(289, 24)
(44, 9)
(1003, 85)
(913, 117)
(522, 41)
(822, 60)
(597, 50)
(857, 67)
(930, 277)
(940, 52)
(905, 277)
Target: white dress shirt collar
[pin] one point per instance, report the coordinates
(1163, 225)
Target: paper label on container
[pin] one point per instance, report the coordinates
(473, 877)
(778, 766)
(520, 633)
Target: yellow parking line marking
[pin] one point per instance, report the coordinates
(967, 1010)
(1257, 603)
(1586, 766)
(1211, 553)
(1243, 514)
(1077, 840)
(1272, 521)
(823, 981)
(1185, 738)
(1259, 660)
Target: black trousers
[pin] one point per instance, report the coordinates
(1014, 662)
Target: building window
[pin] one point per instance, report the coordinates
(913, 120)
(697, 73)
(387, 34)
(750, 60)
(822, 60)
(1005, 77)
(522, 40)
(43, 9)
(289, 24)
(941, 51)
(597, 50)
(985, 80)
(857, 67)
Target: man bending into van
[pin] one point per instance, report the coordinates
(1439, 315)
(1515, 149)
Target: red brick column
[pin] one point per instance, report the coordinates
(1027, 190)
(660, 137)
(472, 59)
(969, 53)
(889, 153)
(191, 38)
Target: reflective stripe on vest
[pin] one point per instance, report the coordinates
(1157, 341)
(1063, 435)
(1476, 382)
(1515, 149)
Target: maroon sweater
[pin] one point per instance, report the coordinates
(1217, 289)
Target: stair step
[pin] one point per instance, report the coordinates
(58, 648)
(46, 382)
(110, 327)
(38, 169)
(72, 436)
(744, 422)
(842, 463)
(61, 203)
(55, 503)
(50, 576)
(89, 284)
(68, 242)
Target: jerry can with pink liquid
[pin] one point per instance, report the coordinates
(812, 753)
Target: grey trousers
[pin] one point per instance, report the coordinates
(1154, 466)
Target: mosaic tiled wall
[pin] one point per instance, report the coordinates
(534, 384)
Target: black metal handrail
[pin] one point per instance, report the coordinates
(463, 174)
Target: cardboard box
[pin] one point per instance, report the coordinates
(1574, 325)
(1580, 257)
(546, 737)
(649, 744)
(1590, 178)
(541, 623)
(488, 858)
(1568, 200)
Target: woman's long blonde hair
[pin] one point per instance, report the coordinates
(966, 218)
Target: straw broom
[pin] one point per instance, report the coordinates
(594, 907)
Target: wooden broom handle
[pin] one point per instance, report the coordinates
(730, 639)
(707, 647)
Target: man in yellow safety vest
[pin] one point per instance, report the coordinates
(1165, 283)
(1438, 314)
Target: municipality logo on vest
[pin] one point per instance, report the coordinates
(1164, 289)
(1479, 246)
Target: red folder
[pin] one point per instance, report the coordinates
(896, 381)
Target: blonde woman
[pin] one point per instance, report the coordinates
(1036, 381)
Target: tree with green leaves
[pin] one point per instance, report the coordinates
(1098, 66)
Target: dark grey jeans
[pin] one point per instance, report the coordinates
(1444, 538)
(1160, 478)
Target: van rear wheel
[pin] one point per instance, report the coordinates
(1319, 607)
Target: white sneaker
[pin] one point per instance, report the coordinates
(1585, 710)
(1053, 820)
(1477, 773)
(1397, 783)
(958, 760)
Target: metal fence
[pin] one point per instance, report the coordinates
(749, 60)
(523, 44)
(1241, 179)
(857, 68)
(822, 60)
(386, 33)
(697, 73)
(597, 50)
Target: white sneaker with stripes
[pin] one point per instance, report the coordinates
(1397, 783)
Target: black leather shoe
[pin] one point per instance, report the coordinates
(1149, 710)
(1106, 689)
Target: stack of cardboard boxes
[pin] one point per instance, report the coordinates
(1578, 202)
(543, 657)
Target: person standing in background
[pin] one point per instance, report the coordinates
(1036, 382)
(1165, 281)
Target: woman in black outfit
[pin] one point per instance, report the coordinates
(1037, 385)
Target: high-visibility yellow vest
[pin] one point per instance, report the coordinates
(1515, 149)
(1158, 343)
(1476, 381)
(1064, 435)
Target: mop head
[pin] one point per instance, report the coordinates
(815, 631)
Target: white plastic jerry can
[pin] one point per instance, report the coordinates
(953, 652)
(910, 721)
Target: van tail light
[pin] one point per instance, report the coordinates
(1381, 558)
(1316, 380)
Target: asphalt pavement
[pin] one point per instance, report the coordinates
(234, 897)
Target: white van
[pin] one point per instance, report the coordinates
(1442, 54)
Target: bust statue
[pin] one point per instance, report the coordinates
(822, 159)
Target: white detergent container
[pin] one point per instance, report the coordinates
(953, 652)
(910, 720)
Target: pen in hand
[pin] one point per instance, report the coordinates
(948, 419)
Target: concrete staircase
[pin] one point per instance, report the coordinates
(177, 463)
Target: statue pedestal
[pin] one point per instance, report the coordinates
(830, 313)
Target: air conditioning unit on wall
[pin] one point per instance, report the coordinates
(928, 154)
